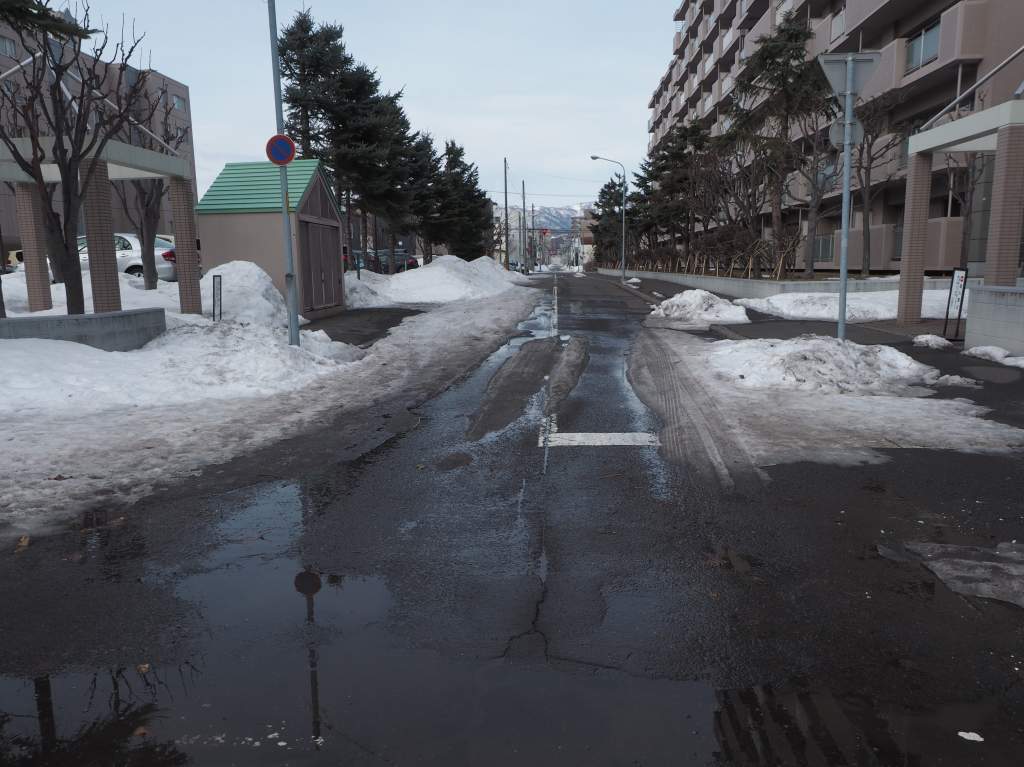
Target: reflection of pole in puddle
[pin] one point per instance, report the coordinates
(308, 584)
(44, 711)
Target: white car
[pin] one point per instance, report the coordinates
(128, 250)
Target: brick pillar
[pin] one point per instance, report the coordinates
(1002, 256)
(99, 237)
(915, 237)
(184, 215)
(29, 211)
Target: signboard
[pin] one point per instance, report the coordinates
(280, 150)
(864, 65)
(837, 133)
(955, 303)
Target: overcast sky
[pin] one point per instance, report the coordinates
(545, 82)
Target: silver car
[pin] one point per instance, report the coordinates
(128, 250)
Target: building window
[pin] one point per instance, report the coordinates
(923, 47)
(8, 47)
(178, 102)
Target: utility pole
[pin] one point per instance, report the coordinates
(533, 229)
(507, 251)
(291, 289)
(523, 246)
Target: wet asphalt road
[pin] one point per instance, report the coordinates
(466, 592)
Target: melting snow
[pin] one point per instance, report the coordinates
(700, 309)
(932, 342)
(869, 306)
(996, 354)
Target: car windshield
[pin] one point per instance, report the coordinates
(162, 244)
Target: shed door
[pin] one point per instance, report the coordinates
(321, 266)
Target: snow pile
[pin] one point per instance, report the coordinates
(822, 365)
(996, 354)
(633, 281)
(869, 306)
(190, 365)
(196, 361)
(932, 342)
(699, 308)
(445, 279)
(366, 291)
(248, 293)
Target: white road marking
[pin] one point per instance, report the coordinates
(622, 439)
(550, 437)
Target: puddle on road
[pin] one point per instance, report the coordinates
(296, 664)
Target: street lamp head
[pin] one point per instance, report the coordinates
(594, 157)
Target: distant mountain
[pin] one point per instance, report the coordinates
(545, 217)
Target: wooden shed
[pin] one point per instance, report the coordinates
(239, 219)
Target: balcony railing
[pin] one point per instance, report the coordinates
(708, 102)
(709, 64)
(727, 84)
(838, 25)
(824, 248)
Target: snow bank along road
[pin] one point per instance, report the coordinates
(86, 428)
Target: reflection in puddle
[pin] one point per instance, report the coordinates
(764, 727)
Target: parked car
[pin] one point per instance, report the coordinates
(128, 250)
(379, 261)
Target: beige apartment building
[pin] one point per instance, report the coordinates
(175, 105)
(932, 51)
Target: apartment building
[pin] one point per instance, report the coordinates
(175, 103)
(931, 51)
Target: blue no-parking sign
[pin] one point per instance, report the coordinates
(280, 150)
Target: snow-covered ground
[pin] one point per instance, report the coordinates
(869, 306)
(824, 365)
(80, 423)
(821, 400)
(445, 279)
(932, 342)
(996, 354)
(699, 309)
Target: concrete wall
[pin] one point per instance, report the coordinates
(112, 332)
(996, 318)
(736, 287)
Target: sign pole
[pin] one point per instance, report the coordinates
(291, 289)
(844, 247)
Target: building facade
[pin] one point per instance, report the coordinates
(173, 119)
(931, 52)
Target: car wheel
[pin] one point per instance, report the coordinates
(133, 271)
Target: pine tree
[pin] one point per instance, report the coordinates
(465, 210)
(607, 227)
(777, 86)
(314, 62)
(425, 189)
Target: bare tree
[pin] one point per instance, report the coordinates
(152, 127)
(816, 163)
(881, 137)
(66, 105)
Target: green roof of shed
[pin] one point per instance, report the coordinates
(255, 187)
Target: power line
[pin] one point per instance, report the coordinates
(584, 195)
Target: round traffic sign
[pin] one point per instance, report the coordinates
(280, 150)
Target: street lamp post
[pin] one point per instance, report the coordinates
(616, 162)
